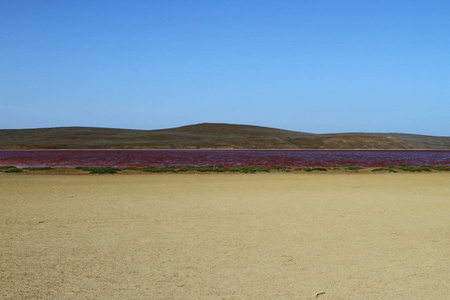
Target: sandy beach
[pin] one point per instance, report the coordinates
(225, 236)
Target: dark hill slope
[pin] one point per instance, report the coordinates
(208, 136)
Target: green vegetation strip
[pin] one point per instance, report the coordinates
(407, 168)
(235, 169)
(99, 170)
(38, 169)
(240, 169)
(6, 167)
(315, 169)
(347, 167)
(13, 170)
(384, 169)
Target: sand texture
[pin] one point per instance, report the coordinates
(225, 236)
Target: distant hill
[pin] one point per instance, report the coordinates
(209, 136)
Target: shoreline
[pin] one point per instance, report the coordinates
(341, 169)
(211, 149)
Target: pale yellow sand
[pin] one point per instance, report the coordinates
(225, 236)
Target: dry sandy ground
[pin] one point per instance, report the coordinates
(225, 236)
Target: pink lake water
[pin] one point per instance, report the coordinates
(294, 158)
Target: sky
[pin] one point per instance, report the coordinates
(319, 66)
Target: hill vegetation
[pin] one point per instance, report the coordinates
(209, 136)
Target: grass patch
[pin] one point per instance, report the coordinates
(39, 169)
(384, 169)
(187, 169)
(253, 169)
(205, 169)
(437, 168)
(315, 169)
(442, 168)
(99, 170)
(7, 167)
(159, 169)
(13, 170)
(209, 169)
(281, 168)
(407, 168)
(353, 168)
(347, 167)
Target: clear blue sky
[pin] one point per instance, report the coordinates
(308, 65)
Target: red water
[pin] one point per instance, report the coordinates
(294, 158)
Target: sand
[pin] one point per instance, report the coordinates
(225, 236)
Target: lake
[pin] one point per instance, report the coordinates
(294, 158)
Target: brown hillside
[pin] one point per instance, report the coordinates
(209, 136)
(354, 142)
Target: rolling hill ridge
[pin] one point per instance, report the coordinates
(209, 136)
